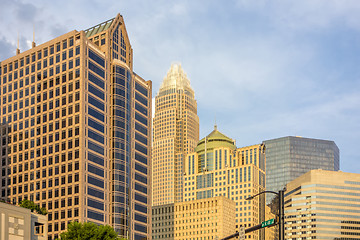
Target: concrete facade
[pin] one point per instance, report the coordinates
(323, 205)
(17, 223)
(212, 218)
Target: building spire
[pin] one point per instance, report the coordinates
(33, 44)
(215, 126)
(176, 79)
(18, 45)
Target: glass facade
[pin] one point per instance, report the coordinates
(97, 139)
(75, 131)
(289, 157)
(121, 149)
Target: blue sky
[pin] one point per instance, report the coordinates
(264, 69)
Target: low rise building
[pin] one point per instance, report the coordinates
(212, 218)
(323, 205)
(17, 223)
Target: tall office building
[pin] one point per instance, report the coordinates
(176, 133)
(290, 157)
(218, 168)
(323, 205)
(75, 134)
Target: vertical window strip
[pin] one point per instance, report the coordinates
(193, 164)
(241, 175)
(225, 157)
(244, 174)
(189, 165)
(220, 163)
(216, 160)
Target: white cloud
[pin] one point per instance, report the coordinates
(264, 68)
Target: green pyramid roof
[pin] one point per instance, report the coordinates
(215, 139)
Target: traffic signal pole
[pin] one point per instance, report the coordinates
(264, 224)
(249, 230)
(281, 215)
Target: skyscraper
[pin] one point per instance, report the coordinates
(175, 134)
(75, 134)
(218, 168)
(290, 157)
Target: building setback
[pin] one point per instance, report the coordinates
(175, 134)
(75, 134)
(289, 157)
(323, 205)
(218, 168)
(212, 218)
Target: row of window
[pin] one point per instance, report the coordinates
(39, 55)
(31, 176)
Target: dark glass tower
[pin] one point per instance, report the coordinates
(290, 157)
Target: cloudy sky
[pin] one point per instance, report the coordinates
(263, 69)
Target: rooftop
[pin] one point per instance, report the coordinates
(99, 28)
(215, 139)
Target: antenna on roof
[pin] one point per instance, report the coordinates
(215, 126)
(18, 45)
(33, 44)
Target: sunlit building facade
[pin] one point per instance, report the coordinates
(18, 223)
(75, 134)
(269, 231)
(211, 218)
(323, 205)
(218, 168)
(290, 157)
(175, 134)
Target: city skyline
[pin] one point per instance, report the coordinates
(278, 69)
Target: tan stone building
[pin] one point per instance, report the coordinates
(17, 223)
(75, 134)
(269, 231)
(218, 168)
(323, 205)
(175, 134)
(212, 218)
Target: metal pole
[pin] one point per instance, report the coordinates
(281, 215)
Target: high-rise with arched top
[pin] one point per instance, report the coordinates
(175, 134)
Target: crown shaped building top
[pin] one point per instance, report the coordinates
(176, 79)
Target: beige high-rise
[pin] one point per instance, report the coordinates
(76, 130)
(175, 134)
(218, 168)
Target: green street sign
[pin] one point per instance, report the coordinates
(267, 223)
